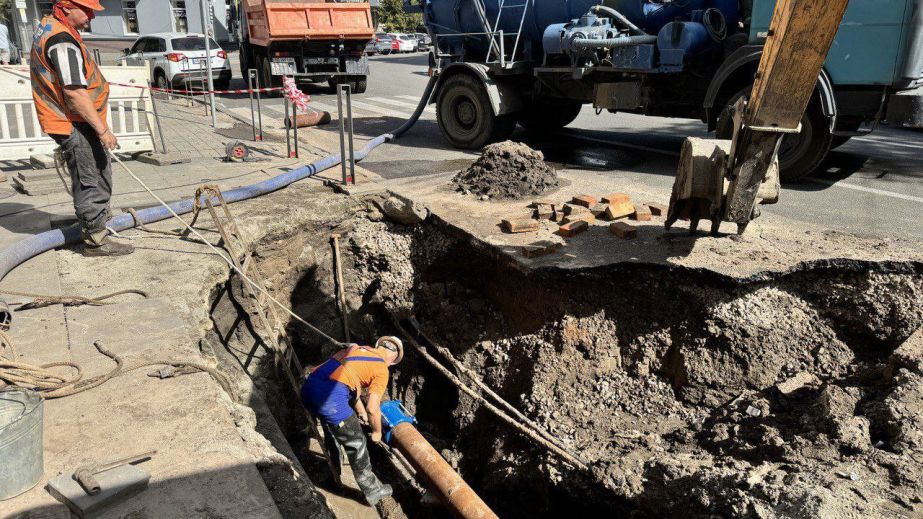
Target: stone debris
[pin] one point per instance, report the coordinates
(507, 170)
(800, 380)
(404, 211)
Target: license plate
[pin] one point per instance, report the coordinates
(321, 61)
(283, 66)
(198, 61)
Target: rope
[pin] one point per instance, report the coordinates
(42, 300)
(570, 458)
(226, 259)
(54, 385)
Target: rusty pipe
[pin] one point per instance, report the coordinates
(460, 498)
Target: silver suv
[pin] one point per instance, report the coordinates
(177, 59)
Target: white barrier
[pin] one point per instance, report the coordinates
(129, 113)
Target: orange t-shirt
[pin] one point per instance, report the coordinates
(362, 367)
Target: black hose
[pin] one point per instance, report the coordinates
(618, 16)
(612, 43)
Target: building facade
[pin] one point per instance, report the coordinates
(127, 19)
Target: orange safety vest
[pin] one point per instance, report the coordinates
(47, 90)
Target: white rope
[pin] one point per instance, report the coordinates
(225, 258)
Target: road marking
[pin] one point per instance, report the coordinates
(381, 110)
(391, 102)
(864, 189)
(877, 141)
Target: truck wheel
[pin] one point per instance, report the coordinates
(799, 153)
(466, 117)
(246, 59)
(360, 85)
(549, 114)
(267, 80)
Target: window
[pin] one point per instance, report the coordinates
(139, 46)
(130, 16)
(157, 45)
(192, 43)
(180, 24)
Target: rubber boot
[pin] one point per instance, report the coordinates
(349, 434)
(99, 244)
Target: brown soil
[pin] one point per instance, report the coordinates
(507, 170)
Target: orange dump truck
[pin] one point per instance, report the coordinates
(311, 40)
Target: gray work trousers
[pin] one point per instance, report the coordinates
(91, 175)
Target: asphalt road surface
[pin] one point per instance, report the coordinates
(871, 185)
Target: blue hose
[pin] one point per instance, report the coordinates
(23, 250)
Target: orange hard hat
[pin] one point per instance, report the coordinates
(89, 4)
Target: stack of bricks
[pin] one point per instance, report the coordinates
(583, 210)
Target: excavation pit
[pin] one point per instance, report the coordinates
(784, 394)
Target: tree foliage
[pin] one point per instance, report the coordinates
(5, 11)
(392, 17)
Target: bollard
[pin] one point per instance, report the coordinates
(259, 106)
(288, 141)
(347, 90)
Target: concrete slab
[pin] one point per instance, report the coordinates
(162, 159)
(116, 485)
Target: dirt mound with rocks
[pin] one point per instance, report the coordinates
(507, 170)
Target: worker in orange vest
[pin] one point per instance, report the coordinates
(71, 101)
(332, 393)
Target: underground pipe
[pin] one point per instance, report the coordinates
(452, 490)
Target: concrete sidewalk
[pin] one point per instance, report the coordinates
(211, 461)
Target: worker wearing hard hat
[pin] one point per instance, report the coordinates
(327, 393)
(71, 101)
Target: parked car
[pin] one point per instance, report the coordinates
(370, 48)
(383, 43)
(404, 43)
(423, 41)
(175, 57)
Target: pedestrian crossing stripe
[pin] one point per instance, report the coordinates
(391, 102)
(367, 107)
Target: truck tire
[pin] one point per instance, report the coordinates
(360, 85)
(245, 55)
(466, 117)
(799, 154)
(267, 80)
(549, 115)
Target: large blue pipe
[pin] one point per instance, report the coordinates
(23, 250)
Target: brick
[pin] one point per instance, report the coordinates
(586, 217)
(515, 225)
(572, 229)
(615, 198)
(619, 210)
(584, 200)
(642, 213)
(540, 248)
(543, 212)
(599, 209)
(623, 230)
(656, 209)
(574, 209)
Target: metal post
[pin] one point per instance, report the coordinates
(259, 104)
(252, 111)
(288, 129)
(294, 123)
(349, 121)
(97, 57)
(208, 56)
(163, 144)
(502, 51)
(342, 134)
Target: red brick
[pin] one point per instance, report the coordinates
(657, 209)
(515, 225)
(642, 213)
(586, 217)
(540, 248)
(619, 210)
(574, 209)
(584, 200)
(573, 228)
(615, 198)
(623, 230)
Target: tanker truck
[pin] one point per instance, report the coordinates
(535, 63)
(310, 40)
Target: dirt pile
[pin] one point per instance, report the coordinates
(507, 170)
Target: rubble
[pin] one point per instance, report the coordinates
(506, 170)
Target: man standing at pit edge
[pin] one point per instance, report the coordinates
(333, 391)
(71, 101)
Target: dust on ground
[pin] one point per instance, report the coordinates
(506, 170)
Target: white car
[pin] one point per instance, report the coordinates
(175, 57)
(404, 42)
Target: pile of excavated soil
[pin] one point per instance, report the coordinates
(507, 170)
(785, 397)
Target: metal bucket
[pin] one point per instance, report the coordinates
(21, 457)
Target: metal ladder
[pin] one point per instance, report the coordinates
(497, 44)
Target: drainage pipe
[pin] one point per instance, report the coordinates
(23, 250)
(452, 490)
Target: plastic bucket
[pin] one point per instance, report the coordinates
(21, 457)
